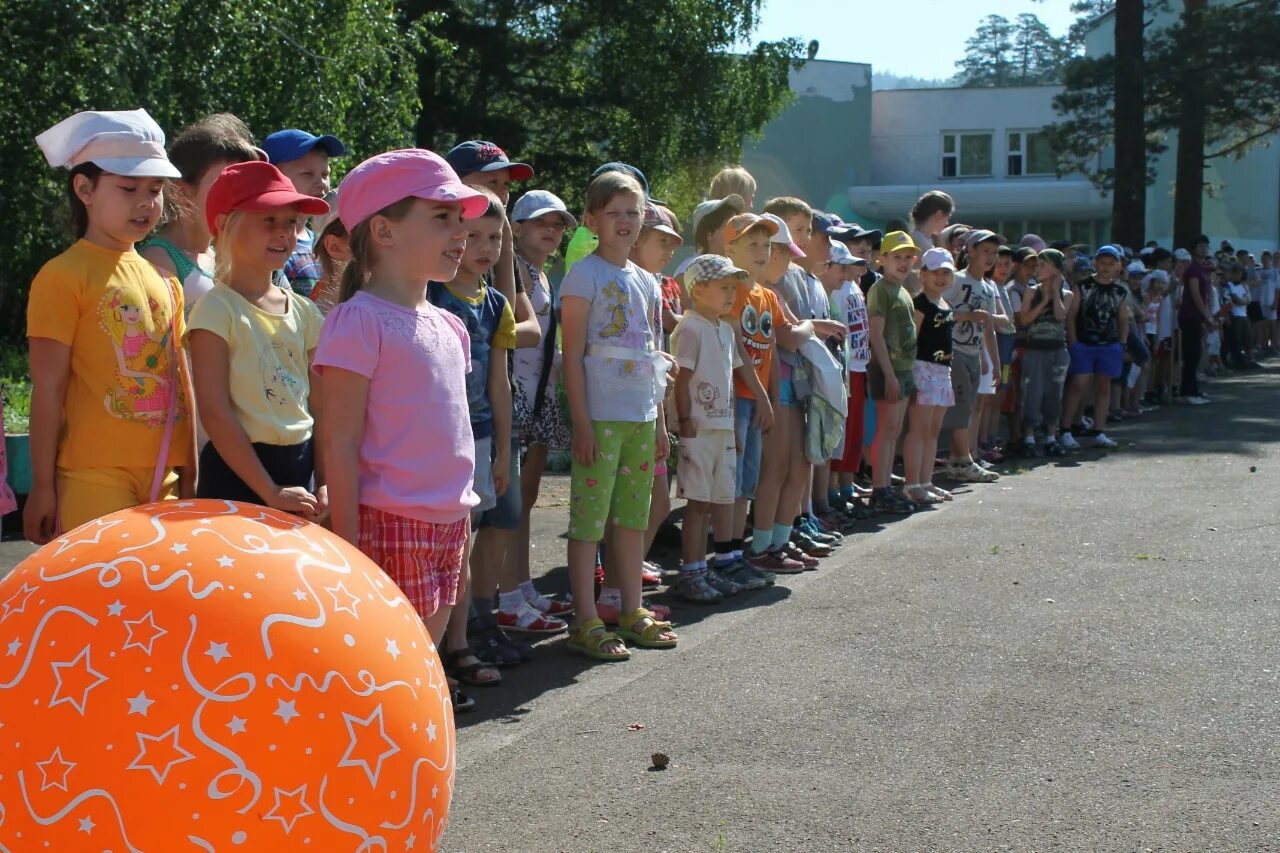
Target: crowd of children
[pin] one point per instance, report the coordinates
(394, 358)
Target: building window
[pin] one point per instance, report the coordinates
(966, 155)
(1029, 154)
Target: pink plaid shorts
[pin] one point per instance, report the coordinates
(424, 559)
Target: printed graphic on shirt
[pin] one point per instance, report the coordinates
(279, 385)
(859, 332)
(709, 398)
(757, 332)
(143, 353)
(616, 303)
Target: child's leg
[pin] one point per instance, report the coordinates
(774, 467)
(455, 633)
(795, 473)
(659, 508)
(933, 416)
(747, 454)
(693, 534)
(1101, 401)
(535, 461)
(913, 448)
(887, 423)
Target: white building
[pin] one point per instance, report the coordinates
(985, 148)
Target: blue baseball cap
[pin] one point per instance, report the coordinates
(1109, 251)
(292, 144)
(831, 225)
(627, 169)
(476, 155)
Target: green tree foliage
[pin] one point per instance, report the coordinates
(1012, 53)
(343, 66)
(569, 84)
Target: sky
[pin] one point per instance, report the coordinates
(851, 37)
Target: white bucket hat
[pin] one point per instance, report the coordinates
(124, 142)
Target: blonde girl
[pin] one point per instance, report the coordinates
(251, 346)
(614, 377)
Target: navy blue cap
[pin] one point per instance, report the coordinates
(1111, 252)
(286, 145)
(475, 155)
(831, 225)
(627, 169)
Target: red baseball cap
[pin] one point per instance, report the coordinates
(255, 185)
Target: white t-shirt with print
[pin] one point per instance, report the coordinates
(707, 349)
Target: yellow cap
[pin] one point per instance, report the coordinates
(897, 241)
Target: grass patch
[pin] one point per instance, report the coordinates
(995, 549)
(1146, 557)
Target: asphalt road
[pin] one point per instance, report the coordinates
(1081, 657)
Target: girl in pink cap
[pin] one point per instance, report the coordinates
(398, 453)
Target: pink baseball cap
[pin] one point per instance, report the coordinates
(383, 180)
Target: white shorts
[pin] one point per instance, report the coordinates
(1213, 343)
(482, 484)
(708, 468)
(987, 383)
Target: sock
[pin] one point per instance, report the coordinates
(737, 545)
(702, 565)
(761, 540)
(1050, 439)
(691, 568)
(847, 492)
(724, 553)
(1029, 439)
(609, 595)
(781, 534)
(509, 602)
(529, 591)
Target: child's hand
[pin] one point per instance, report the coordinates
(293, 499)
(663, 446)
(501, 471)
(892, 389)
(40, 516)
(983, 317)
(764, 414)
(186, 482)
(321, 514)
(584, 445)
(688, 429)
(830, 329)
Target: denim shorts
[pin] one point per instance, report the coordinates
(1103, 360)
(505, 512)
(747, 435)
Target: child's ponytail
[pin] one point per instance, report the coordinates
(357, 271)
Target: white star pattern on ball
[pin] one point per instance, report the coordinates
(140, 704)
(115, 608)
(392, 648)
(343, 600)
(14, 646)
(54, 776)
(225, 562)
(236, 726)
(152, 633)
(164, 741)
(87, 825)
(297, 798)
(218, 651)
(73, 669)
(371, 770)
(17, 603)
(286, 711)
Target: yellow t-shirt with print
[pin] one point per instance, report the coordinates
(123, 322)
(270, 361)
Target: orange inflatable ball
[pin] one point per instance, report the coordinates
(204, 675)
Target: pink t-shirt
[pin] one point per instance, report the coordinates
(417, 457)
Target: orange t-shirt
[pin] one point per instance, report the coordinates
(124, 324)
(755, 313)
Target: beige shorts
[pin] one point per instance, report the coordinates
(708, 467)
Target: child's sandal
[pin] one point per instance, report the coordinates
(648, 637)
(591, 637)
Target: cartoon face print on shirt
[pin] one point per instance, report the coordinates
(757, 331)
(141, 336)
